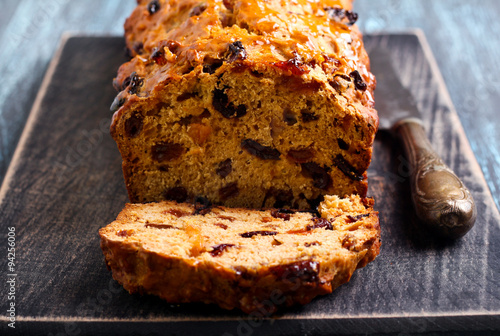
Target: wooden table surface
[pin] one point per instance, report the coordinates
(462, 35)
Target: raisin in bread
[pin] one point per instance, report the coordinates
(240, 258)
(247, 103)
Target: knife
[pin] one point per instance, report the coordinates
(440, 198)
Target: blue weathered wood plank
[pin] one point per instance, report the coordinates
(460, 32)
(462, 36)
(30, 31)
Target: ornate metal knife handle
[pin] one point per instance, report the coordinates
(440, 198)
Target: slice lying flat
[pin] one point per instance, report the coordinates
(240, 258)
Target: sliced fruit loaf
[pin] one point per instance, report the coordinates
(240, 258)
(247, 103)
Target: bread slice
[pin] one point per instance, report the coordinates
(254, 104)
(239, 258)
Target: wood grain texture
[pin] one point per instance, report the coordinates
(30, 31)
(461, 36)
(460, 32)
(65, 183)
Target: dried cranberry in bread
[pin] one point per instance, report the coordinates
(247, 103)
(240, 258)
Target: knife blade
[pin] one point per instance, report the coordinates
(440, 198)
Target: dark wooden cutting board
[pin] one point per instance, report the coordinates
(65, 182)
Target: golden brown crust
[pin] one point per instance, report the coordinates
(313, 33)
(281, 89)
(240, 258)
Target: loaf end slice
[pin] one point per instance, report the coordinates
(254, 260)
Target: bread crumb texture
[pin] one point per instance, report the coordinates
(246, 103)
(240, 258)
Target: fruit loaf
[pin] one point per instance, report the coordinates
(254, 260)
(246, 103)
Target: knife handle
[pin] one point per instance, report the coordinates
(440, 198)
